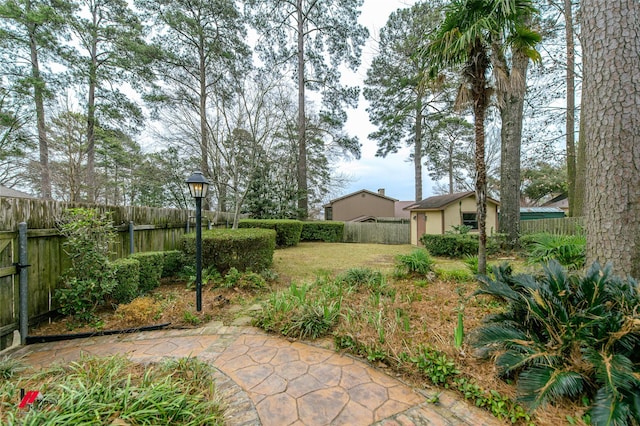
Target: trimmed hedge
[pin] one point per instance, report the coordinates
(174, 261)
(327, 231)
(287, 231)
(127, 275)
(151, 265)
(243, 249)
(450, 245)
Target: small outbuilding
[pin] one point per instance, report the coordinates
(440, 213)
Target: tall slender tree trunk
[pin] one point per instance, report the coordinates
(571, 108)
(38, 95)
(611, 117)
(204, 127)
(43, 145)
(581, 170)
(303, 189)
(417, 151)
(511, 112)
(480, 101)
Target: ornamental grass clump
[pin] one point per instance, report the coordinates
(567, 336)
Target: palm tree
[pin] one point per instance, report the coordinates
(466, 37)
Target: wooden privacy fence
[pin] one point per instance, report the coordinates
(153, 229)
(376, 233)
(564, 225)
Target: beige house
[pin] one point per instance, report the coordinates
(438, 214)
(360, 206)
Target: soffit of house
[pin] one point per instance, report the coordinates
(357, 193)
(441, 202)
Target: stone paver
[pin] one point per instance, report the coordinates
(267, 380)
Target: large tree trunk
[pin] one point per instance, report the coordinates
(571, 107)
(303, 190)
(417, 152)
(511, 113)
(611, 116)
(38, 96)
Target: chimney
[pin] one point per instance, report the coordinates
(381, 191)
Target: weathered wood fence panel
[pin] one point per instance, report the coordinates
(154, 230)
(377, 233)
(8, 288)
(565, 225)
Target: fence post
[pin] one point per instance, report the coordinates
(23, 293)
(131, 246)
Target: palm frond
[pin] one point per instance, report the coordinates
(609, 410)
(542, 384)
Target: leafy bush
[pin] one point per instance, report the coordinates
(174, 261)
(356, 277)
(244, 280)
(417, 262)
(287, 231)
(568, 336)
(327, 231)
(303, 311)
(243, 249)
(151, 265)
(89, 237)
(568, 250)
(450, 245)
(127, 275)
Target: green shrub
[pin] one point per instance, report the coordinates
(303, 311)
(243, 249)
(326, 231)
(89, 237)
(568, 250)
(287, 231)
(151, 264)
(450, 245)
(417, 262)
(174, 261)
(568, 336)
(127, 275)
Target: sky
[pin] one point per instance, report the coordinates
(395, 172)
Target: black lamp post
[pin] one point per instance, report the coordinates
(198, 187)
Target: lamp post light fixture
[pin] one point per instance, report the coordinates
(198, 187)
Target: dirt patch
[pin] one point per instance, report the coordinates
(172, 303)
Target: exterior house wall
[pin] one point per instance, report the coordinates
(362, 204)
(450, 215)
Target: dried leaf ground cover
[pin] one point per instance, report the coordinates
(416, 313)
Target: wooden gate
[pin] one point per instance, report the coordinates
(9, 300)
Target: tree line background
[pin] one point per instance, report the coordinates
(115, 101)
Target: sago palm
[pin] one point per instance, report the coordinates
(566, 336)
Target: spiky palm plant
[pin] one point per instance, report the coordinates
(567, 336)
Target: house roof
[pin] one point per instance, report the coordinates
(541, 210)
(440, 202)
(400, 208)
(358, 192)
(9, 192)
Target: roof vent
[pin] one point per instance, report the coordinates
(381, 191)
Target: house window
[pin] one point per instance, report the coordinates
(470, 219)
(328, 213)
